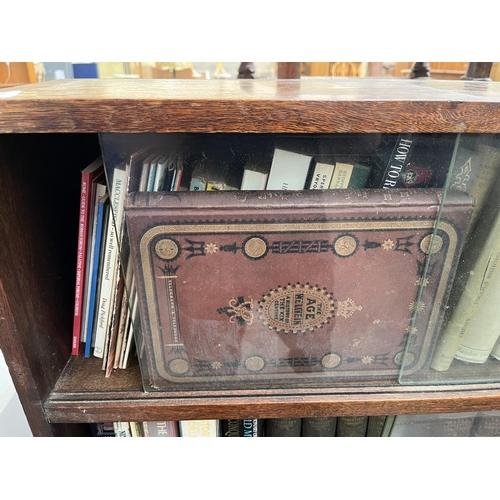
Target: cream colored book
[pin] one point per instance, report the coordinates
(495, 352)
(341, 175)
(484, 328)
(199, 428)
(477, 270)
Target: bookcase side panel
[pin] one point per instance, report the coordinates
(40, 177)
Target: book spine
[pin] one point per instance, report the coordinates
(98, 196)
(197, 184)
(288, 171)
(110, 270)
(483, 330)
(486, 424)
(352, 426)
(253, 180)
(199, 428)
(122, 429)
(283, 427)
(398, 161)
(375, 426)
(124, 314)
(136, 429)
(478, 270)
(109, 354)
(230, 428)
(103, 211)
(319, 427)
(169, 428)
(321, 177)
(83, 222)
(250, 427)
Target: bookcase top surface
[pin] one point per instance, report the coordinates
(319, 105)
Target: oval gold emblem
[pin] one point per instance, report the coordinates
(296, 308)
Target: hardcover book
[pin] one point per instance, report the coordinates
(319, 426)
(168, 428)
(352, 426)
(283, 427)
(296, 289)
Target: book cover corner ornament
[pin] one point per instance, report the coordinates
(262, 290)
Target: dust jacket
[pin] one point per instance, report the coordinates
(269, 289)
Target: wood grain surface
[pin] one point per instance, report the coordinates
(333, 105)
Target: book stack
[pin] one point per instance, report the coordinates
(468, 424)
(112, 299)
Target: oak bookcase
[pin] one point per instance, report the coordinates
(49, 132)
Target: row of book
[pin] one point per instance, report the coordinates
(470, 424)
(105, 297)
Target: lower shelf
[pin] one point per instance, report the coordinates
(83, 394)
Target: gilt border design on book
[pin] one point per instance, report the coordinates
(217, 311)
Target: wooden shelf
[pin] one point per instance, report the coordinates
(339, 105)
(82, 394)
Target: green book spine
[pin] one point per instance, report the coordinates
(375, 426)
(352, 426)
(283, 427)
(319, 427)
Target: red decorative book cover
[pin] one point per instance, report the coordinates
(290, 289)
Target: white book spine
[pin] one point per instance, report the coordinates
(288, 171)
(110, 262)
(254, 180)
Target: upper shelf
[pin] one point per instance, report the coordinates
(330, 105)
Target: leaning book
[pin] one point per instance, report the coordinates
(279, 289)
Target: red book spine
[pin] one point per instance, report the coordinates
(83, 221)
(92, 173)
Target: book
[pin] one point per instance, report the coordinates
(376, 426)
(247, 427)
(483, 329)
(267, 312)
(255, 175)
(114, 327)
(199, 428)
(476, 167)
(136, 429)
(97, 263)
(283, 427)
(320, 176)
(124, 316)
(399, 172)
(122, 429)
(352, 426)
(111, 264)
(230, 427)
(319, 427)
(350, 175)
(215, 173)
(87, 188)
(433, 425)
(415, 160)
(486, 424)
(169, 428)
(477, 272)
(288, 171)
(100, 192)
